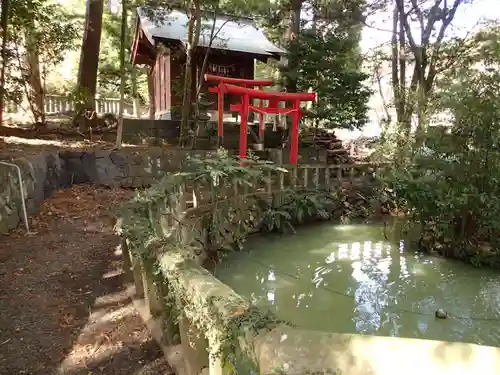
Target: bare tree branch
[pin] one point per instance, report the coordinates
(448, 17)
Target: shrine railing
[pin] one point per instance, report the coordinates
(59, 104)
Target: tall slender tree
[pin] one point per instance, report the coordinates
(3, 25)
(89, 57)
(419, 57)
(123, 40)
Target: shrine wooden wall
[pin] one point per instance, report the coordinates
(168, 76)
(228, 64)
(162, 79)
(168, 79)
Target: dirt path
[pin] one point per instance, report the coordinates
(63, 305)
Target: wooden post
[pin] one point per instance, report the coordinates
(220, 95)
(127, 262)
(220, 115)
(294, 139)
(261, 121)
(136, 265)
(269, 183)
(227, 86)
(215, 361)
(235, 188)
(194, 347)
(316, 178)
(180, 209)
(244, 127)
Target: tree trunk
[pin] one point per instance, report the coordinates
(415, 96)
(186, 99)
(34, 81)
(89, 57)
(194, 30)
(123, 39)
(3, 25)
(422, 118)
(293, 45)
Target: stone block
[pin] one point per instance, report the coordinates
(294, 351)
(73, 169)
(9, 218)
(119, 159)
(54, 175)
(107, 173)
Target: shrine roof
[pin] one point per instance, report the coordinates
(238, 34)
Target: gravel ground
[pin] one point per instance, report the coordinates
(64, 309)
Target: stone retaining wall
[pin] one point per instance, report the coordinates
(145, 131)
(42, 175)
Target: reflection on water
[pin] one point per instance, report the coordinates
(350, 279)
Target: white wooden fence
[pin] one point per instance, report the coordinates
(58, 105)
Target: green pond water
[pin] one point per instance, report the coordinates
(350, 279)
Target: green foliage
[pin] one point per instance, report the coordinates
(232, 217)
(282, 371)
(230, 169)
(249, 323)
(296, 208)
(330, 65)
(218, 175)
(274, 218)
(44, 27)
(51, 28)
(109, 62)
(452, 189)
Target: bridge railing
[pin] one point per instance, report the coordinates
(289, 178)
(171, 281)
(201, 323)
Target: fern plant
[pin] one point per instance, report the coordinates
(274, 219)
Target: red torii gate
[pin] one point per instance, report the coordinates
(260, 83)
(274, 98)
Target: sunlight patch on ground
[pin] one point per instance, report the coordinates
(100, 304)
(54, 143)
(112, 273)
(80, 355)
(43, 142)
(107, 332)
(118, 251)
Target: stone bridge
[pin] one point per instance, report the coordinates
(204, 327)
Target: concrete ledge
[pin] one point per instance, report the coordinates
(202, 287)
(294, 351)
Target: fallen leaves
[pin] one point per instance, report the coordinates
(53, 277)
(84, 204)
